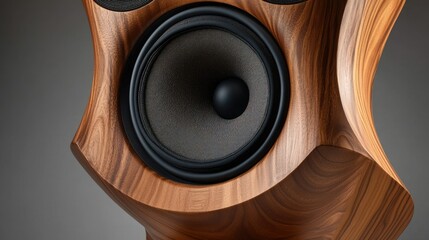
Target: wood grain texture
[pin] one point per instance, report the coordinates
(300, 190)
(366, 27)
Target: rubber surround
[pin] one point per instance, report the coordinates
(122, 5)
(248, 29)
(285, 2)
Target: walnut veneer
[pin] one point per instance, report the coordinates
(326, 176)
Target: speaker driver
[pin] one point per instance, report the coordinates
(122, 5)
(207, 95)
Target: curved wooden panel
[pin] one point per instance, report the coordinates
(300, 190)
(334, 194)
(366, 27)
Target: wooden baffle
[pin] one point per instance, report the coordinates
(326, 177)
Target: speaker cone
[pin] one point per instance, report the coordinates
(207, 94)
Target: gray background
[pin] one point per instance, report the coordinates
(45, 79)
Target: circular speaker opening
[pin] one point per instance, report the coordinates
(206, 95)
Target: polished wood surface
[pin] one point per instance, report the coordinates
(334, 194)
(365, 29)
(326, 176)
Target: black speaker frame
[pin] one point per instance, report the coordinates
(121, 5)
(173, 166)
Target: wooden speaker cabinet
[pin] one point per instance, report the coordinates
(321, 175)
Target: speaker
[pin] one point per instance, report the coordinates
(239, 119)
(207, 95)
